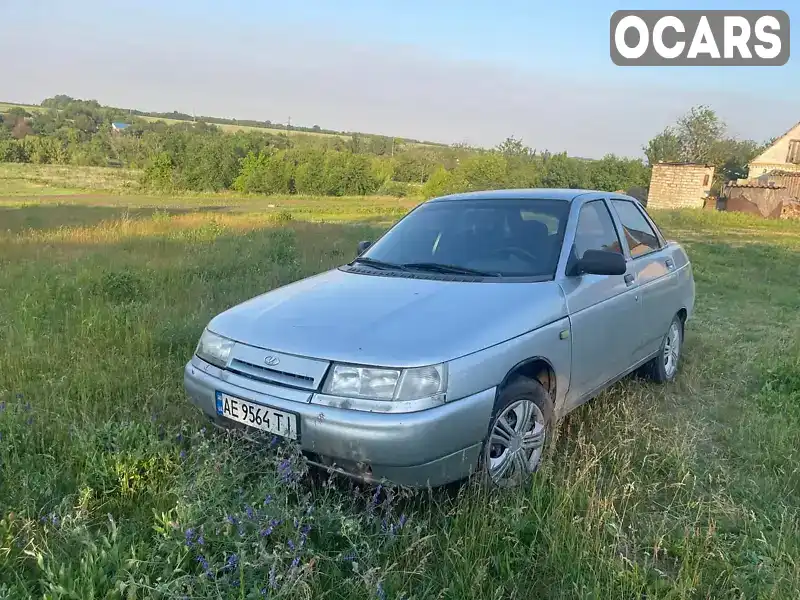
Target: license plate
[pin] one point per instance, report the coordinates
(261, 417)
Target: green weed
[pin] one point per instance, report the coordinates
(112, 486)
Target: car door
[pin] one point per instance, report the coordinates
(602, 308)
(654, 271)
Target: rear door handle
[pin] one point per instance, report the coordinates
(629, 278)
(670, 264)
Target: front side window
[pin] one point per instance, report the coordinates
(499, 237)
(595, 230)
(640, 236)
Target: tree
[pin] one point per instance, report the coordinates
(514, 148)
(691, 139)
(562, 171)
(612, 173)
(665, 147)
(698, 131)
(699, 137)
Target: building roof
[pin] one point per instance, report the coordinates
(682, 164)
(781, 173)
(758, 184)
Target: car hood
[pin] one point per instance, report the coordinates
(390, 321)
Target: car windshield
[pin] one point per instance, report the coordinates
(499, 237)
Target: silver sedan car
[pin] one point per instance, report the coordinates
(449, 347)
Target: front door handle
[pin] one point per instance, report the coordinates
(670, 264)
(629, 278)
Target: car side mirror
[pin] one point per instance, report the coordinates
(601, 262)
(362, 246)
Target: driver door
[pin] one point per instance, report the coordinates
(602, 308)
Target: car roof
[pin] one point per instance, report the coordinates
(566, 195)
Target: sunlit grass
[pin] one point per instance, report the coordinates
(111, 487)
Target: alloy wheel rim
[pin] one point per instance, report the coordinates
(515, 443)
(672, 350)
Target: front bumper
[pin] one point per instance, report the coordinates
(429, 447)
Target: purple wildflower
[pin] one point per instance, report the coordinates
(267, 531)
(295, 561)
(27, 407)
(268, 499)
(201, 540)
(304, 534)
(273, 583)
(291, 545)
(310, 509)
(231, 519)
(2, 406)
(274, 441)
(350, 556)
(376, 496)
(179, 437)
(182, 454)
(379, 593)
(29, 421)
(402, 521)
(249, 510)
(231, 563)
(204, 563)
(54, 519)
(189, 537)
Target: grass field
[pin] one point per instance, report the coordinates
(112, 487)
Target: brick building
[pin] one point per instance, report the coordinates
(680, 185)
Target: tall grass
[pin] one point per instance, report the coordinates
(113, 487)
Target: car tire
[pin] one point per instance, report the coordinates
(664, 367)
(513, 449)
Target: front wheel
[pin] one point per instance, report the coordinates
(517, 433)
(664, 367)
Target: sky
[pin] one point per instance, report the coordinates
(469, 71)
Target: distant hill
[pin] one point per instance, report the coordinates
(226, 124)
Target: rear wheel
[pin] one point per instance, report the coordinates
(518, 431)
(664, 367)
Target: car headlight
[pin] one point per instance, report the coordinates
(373, 383)
(214, 348)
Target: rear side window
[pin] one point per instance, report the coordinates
(640, 236)
(595, 230)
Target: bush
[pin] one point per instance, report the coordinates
(398, 189)
(13, 151)
(265, 173)
(159, 173)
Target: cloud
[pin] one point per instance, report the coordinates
(371, 87)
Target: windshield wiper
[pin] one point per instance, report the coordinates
(378, 264)
(453, 269)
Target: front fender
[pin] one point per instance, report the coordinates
(489, 367)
